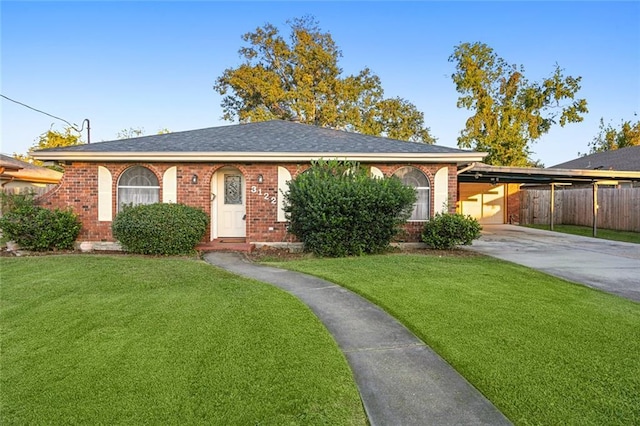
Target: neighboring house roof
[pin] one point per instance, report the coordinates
(17, 170)
(263, 141)
(617, 159)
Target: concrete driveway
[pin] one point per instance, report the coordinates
(610, 266)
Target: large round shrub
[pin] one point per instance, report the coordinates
(36, 228)
(447, 230)
(336, 209)
(160, 229)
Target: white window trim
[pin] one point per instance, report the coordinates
(441, 191)
(105, 193)
(284, 177)
(170, 185)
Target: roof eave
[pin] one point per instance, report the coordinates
(281, 157)
(31, 179)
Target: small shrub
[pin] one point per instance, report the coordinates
(445, 231)
(160, 229)
(336, 209)
(36, 228)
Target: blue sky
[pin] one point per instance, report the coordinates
(152, 64)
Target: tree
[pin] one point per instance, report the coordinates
(510, 113)
(610, 138)
(52, 139)
(132, 132)
(301, 80)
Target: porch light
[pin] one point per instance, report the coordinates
(260, 178)
(194, 179)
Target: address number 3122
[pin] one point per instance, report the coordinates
(265, 195)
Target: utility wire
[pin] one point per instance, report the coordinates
(42, 112)
(73, 126)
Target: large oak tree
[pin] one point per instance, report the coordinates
(510, 113)
(300, 79)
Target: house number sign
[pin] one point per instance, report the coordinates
(265, 195)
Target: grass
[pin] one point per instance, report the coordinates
(543, 350)
(587, 231)
(133, 340)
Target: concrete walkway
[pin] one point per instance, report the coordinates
(610, 266)
(401, 381)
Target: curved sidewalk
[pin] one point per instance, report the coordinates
(401, 380)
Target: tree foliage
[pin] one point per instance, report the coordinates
(135, 132)
(509, 111)
(300, 79)
(610, 138)
(51, 139)
(130, 133)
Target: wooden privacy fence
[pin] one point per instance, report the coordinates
(618, 208)
(35, 190)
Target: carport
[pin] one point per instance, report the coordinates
(497, 175)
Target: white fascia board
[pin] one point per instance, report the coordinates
(278, 157)
(552, 172)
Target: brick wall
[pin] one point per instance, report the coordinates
(513, 203)
(78, 190)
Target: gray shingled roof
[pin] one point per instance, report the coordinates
(268, 137)
(618, 159)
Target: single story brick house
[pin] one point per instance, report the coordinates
(237, 174)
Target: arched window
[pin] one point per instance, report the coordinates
(137, 185)
(415, 178)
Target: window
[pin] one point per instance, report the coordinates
(415, 178)
(137, 185)
(233, 189)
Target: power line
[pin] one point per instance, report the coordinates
(73, 126)
(37, 110)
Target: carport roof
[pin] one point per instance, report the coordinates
(484, 173)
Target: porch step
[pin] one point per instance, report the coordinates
(226, 244)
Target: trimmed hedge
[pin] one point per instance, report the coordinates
(447, 230)
(160, 228)
(336, 209)
(37, 228)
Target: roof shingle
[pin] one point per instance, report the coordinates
(619, 159)
(267, 137)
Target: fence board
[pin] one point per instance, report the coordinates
(618, 208)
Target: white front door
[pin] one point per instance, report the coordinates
(231, 201)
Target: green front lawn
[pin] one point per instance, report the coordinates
(545, 351)
(131, 340)
(587, 231)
